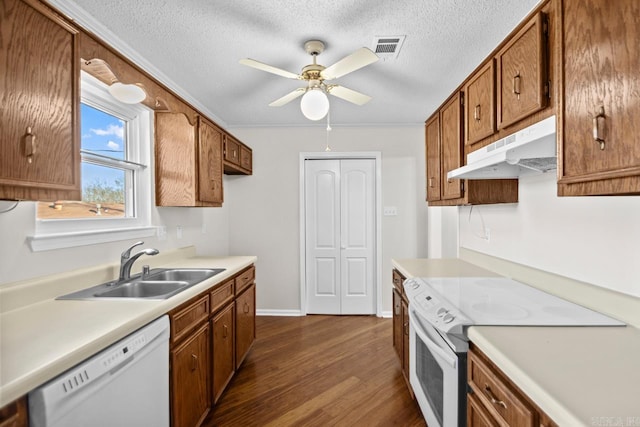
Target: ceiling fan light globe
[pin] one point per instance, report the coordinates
(314, 104)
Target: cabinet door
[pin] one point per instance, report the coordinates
(521, 74)
(479, 117)
(210, 164)
(397, 324)
(451, 139)
(245, 323)
(477, 415)
(231, 150)
(432, 141)
(405, 338)
(39, 75)
(190, 381)
(175, 144)
(601, 89)
(223, 350)
(246, 159)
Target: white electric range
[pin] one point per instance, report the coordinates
(440, 312)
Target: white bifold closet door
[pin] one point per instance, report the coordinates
(340, 236)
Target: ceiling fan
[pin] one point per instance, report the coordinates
(315, 104)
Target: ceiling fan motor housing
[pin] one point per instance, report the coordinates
(314, 47)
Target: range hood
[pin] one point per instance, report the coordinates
(528, 151)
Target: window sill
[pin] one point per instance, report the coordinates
(47, 242)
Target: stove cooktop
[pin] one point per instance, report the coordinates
(452, 303)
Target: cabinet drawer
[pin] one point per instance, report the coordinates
(398, 279)
(500, 400)
(185, 319)
(246, 158)
(221, 295)
(245, 279)
(14, 414)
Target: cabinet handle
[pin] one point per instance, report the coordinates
(431, 182)
(194, 362)
(596, 127)
(235, 154)
(29, 145)
(225, 331)
(405, 327)
(476, 113)
(246, 308)
(516, 84)
(493, 398)
(397, 309)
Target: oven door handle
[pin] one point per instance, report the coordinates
(431, 345)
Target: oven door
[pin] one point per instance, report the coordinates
(437, 375)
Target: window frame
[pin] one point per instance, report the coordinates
(61, 233)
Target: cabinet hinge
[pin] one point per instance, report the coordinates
(545, 27)
(462, 99)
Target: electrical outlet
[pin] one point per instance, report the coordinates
(487, 234)
(161, 232)
(390, 211)
(179, 232)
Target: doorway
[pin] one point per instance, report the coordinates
(340, 233)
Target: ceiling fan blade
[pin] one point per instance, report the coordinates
(268, 68)
(288, 97)
(348, 94)
(358, 59)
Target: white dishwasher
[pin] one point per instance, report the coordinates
(126, 384)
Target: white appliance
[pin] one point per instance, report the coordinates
(126, 384)
(440, 312)
(530, 150)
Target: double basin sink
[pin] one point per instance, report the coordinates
(159, 283)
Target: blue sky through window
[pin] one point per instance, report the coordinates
(102, 134)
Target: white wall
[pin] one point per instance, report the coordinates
(206, 228)
(265, 207)
(591, 239)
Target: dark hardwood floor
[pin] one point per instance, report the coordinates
(319, 371)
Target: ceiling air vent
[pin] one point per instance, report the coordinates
(388, 47)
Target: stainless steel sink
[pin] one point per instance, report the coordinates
(159, 283)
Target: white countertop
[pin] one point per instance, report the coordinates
(577, 375)
(45, 337)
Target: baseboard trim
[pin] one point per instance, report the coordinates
(290, 313)
(387, 314)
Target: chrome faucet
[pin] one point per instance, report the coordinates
(127, 260)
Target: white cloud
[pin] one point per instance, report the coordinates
(113, 145)
(116, 130)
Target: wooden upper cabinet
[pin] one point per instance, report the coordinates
(39, 81)
(188, 161)
(451, 144)
(432, 137)
(479, 108)
(521, 75)
(599, 136)
(210, 163)
(238, 158)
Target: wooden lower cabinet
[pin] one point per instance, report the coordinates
(493, 400)
(245, 323)
(190, 399)
(15, 414)
(223, 349)
(211, 335)
(401, 325)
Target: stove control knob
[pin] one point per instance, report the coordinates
(448, 318)
(442, 311)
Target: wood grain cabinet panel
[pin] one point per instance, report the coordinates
(210, 163)
(479, 106)
(15, 414)
(452, 148)
(600, 131)
(434, 158)
(493, 400)
(397, 323)
(521, 73)
(223, 350)
(39, 82)
(188, 161)
(190, 380)
(238, 158)
(245, 323)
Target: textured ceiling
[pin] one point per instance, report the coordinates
(194, 46)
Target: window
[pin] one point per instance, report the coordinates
(116, 179)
